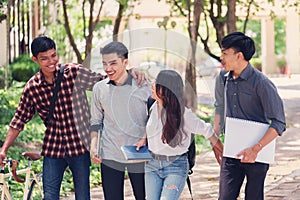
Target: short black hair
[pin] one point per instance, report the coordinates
(115, 47)
(240, 43)
(42, 44)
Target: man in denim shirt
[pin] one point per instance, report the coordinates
(250, 95)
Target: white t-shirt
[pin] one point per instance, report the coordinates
(192, 124)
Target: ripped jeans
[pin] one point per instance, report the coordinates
(164, 180)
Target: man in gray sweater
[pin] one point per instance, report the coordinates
(119, 104)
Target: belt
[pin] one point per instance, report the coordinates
(166, 158)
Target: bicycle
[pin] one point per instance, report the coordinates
(33, 183)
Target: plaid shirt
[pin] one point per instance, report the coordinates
(67, 134)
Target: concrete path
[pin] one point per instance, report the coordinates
(283, 179)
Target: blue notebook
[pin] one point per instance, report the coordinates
(131, 154)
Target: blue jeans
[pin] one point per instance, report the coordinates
(53, 171)
(232, 175)
(165, 180)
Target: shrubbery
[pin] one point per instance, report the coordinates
(256, 63)
(2, 78)
(2, 75)
(7, 105)
(23, 68)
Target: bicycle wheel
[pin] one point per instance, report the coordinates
(34, 192)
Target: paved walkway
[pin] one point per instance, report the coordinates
(283, 179)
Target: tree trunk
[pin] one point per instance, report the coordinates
(231, 16)
(88, 50)
(22, 41)
(6, 83)
(215, 18)
(28, 27)
(118, 22)
(70, 36)
(19, 30)
(190, 75)
(83, 18)
(89, 37)
(91, 28)
(248, 14)
(12, 49)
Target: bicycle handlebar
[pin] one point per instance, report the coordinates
(14, 172)
(13, 164)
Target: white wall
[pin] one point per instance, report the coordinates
(3, 39)
(293, 42)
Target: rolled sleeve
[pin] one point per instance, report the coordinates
(280, 127)
(219, 95)
(273, 106)
(17, 124)
(24, 112)
(96, 108)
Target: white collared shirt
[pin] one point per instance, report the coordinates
(192, 124)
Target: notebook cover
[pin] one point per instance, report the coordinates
(131, 153)
(241, 134)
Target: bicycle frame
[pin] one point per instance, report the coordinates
(29, 177)
(4, 185)
(5, 193)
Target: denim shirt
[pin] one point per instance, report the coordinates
(252, 96)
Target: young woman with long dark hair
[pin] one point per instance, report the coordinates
(168, 134)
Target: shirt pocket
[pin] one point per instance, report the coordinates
(245, 99)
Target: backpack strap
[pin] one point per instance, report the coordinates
(221, 92)
(188, 181)
(150, 101)
(191, 160)
(225, 97)
(55, 91)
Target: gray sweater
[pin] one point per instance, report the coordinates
(122, 110)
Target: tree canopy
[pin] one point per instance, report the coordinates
(78, 23)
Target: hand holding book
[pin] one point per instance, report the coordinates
(142, 142)
(132, 154)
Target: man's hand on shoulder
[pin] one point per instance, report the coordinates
(139, 76)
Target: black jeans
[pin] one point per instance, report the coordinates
(232, 175)
(112, 174)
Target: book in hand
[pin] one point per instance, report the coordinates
(241, 134)
(131, 154)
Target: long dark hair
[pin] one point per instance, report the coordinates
(169, 88)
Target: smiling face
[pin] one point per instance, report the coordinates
(47, 61)
(115, 67)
